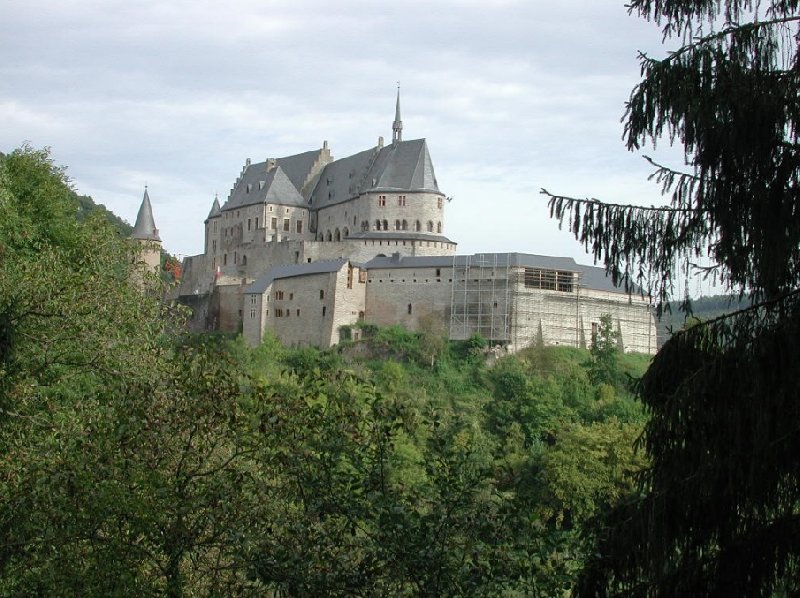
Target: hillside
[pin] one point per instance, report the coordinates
(703, 308)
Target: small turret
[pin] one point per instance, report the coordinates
(145, 234)
(215, 209)
(145, 227)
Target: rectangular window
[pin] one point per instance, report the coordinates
(279, 295)
(291, 296)
(439, 203)
(550, 280)
(322, 294)
(252, 314)
(409, 308)
(298, 313)
(286, 224)
(256, 223)
(278, 313)
(274, 223)
(248, 223)
(323, 311)
(299, 226)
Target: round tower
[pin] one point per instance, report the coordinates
(146, 236)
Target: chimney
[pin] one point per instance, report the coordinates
(270, 164)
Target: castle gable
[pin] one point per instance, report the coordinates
(259, 186)
(293, 270)
(343, 179)
(401, 166)
(298, 168)
(404, 166)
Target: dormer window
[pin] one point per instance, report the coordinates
(249, 186)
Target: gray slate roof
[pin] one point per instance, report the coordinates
(215, 211)
(326, 266)
(259, 186)
(592, 277)
(403, 166)
(145, 227)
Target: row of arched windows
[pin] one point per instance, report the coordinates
(336, 235)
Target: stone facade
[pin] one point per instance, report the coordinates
(514, 299)
(306, 244)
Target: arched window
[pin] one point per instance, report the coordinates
(337, 235)
(328, 237)
(438, 227)
(346, 232)
(377, 225)
(365, 226)
(405, 225)
(385, 225)
(244, 260)
(396, 225)
(430, 226)
(417, 226)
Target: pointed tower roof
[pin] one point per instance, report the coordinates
(145, 227)
(215, 210)
(397, 125)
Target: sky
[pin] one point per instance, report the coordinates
(511, 95)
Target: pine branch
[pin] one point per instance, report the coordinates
(599, 203)
(712, 37)
(666, 169)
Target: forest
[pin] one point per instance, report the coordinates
(138, 459)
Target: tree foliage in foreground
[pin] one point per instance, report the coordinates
(141, 461)
(720, 513)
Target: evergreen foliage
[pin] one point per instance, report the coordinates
(719, 513)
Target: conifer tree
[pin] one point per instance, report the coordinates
(718, 513)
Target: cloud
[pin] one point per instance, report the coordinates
(512, 95)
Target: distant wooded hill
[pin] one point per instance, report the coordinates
(86, 206)
(704, 308)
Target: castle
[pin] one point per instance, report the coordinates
(307, 247)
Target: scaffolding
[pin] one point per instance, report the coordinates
(480, 297)
(525, 304)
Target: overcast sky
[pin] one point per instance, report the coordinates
(512, 96)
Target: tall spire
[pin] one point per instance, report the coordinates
(397, 125)
(145, 227)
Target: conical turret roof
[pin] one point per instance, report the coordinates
(215, 210)
(145, 227)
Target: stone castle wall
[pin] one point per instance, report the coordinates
(382, 211)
